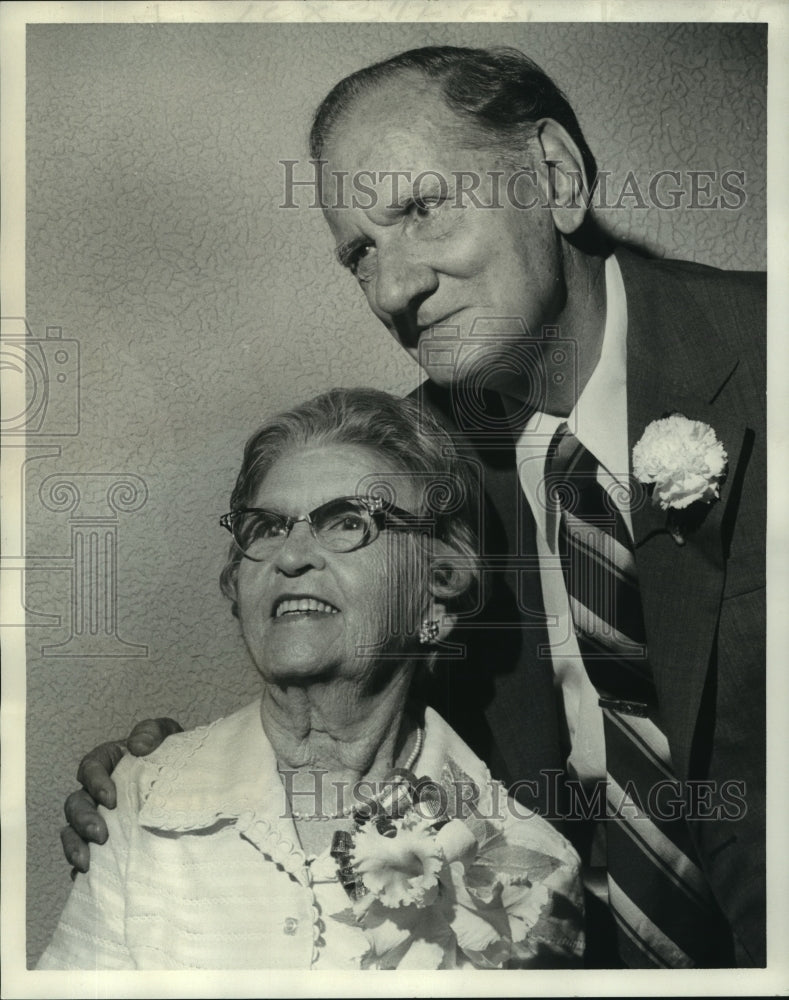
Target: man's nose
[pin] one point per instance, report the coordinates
(299, 552)
(402, 281)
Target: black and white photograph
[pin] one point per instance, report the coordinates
(390, 578)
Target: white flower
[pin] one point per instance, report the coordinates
(683, 458)
(456, 842)
(401, 870)
(449, 897)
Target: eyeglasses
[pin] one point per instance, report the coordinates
(340, 525)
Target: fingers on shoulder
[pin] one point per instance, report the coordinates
(150, 733)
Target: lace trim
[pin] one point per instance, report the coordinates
(156, 810)
(172, 757)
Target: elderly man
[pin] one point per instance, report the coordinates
(615, 407)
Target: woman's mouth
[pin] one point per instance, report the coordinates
(302, 605)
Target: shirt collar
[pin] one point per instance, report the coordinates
(215, 772)
(599, 417)
(228, 769)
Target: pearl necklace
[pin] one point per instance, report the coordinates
(347, 810)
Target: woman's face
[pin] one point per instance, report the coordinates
(310, 614)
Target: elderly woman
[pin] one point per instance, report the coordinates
(334, 823)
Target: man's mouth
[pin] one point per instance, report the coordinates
(441, 329)
(430, 325)
(301, 606)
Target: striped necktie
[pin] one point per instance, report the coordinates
(658, 894)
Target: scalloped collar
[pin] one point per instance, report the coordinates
(227, 771)
(219, 771)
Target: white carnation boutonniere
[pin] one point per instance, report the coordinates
(683, 463)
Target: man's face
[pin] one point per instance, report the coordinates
(461, 286)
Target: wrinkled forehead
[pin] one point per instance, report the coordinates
(304, 477)
(400, 142)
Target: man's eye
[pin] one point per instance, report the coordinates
(362, 263)
(422, 208)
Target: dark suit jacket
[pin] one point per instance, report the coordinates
(695, 345)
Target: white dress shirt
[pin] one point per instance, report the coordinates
(599, 421)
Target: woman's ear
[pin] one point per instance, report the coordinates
(451, 579)
(562, 176)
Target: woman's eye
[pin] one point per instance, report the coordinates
(348, 522)
(267, 528)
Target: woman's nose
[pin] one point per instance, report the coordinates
(299, 551)
(401, 282)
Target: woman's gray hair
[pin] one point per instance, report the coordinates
(407, 437)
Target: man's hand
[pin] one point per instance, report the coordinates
(85, 823)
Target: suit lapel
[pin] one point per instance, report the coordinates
(681, 585)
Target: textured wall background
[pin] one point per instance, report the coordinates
(155, 240)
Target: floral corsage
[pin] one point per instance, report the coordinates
(683, 462)
(429, 888)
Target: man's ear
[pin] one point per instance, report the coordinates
(563, 176)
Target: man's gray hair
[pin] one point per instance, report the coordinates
(499, 91)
